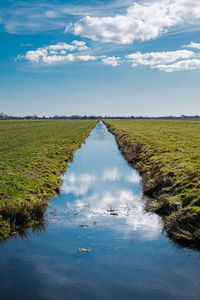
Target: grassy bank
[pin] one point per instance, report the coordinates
(167, 154)
(33, 154)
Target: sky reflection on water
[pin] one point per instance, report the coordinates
(100, 208)
(105, 195)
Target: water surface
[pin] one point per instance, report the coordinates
(101, 209)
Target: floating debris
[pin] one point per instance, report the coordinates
(114, 214)
(95, 223)
(111, 209)
(83, 250)
(83, 225)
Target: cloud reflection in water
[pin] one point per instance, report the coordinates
(112, 175)
(77, 184)
(108, 199)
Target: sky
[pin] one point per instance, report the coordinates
(112, 57)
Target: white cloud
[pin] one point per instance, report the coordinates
(115, 21)
(127, 206)
(171, 61)
(167, 61)
(58, 53)
(192, 45)
(77, 184)
(39, 16)
(112, 60)
(63, 52)
(87, 57)
(51, 14)
(111, 175)
(54, 52)
(80, 45)
(133, 177)
(37, 55)
(54, 59)
(155, 58)
(68, 27)
(184, 65)
(142, 21)
(62, 46)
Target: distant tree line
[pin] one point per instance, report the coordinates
(85, 117)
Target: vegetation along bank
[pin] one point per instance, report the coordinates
(33, 155)
(167, 155)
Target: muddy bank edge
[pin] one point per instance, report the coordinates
(182, 224)
(30, 212)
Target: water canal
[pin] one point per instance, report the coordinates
(100, 208)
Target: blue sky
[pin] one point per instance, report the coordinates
(100, 57)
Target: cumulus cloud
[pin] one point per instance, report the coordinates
(156, 58)
(76, 51)
(133, 177)
(62, 46)
(119, 21)
(77, 184)
(192, 45)
(112, 60)
(184, 65)
(51, 59)
(169, 61)
(80, 45)
(87, 57)
(58, 53)
(111, 175)
(142, 21)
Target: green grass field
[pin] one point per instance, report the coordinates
(167, 153)
(32, 156)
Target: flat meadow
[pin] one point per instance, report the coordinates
(167, 154)
(33, 155)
